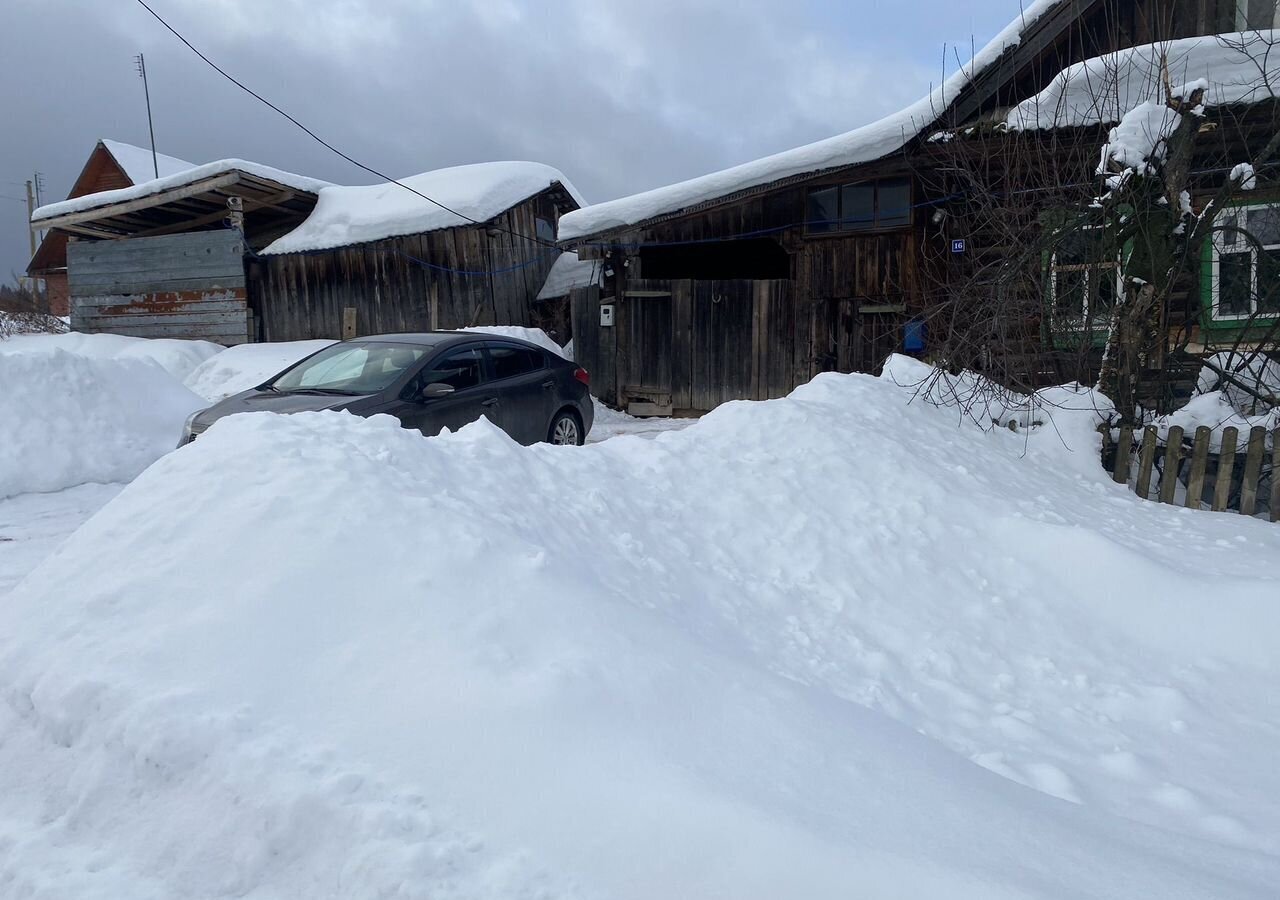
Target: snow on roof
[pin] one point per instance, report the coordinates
(567, 273)
(355, 215)
(177, 179)
(1104, 88)
(863, 144)
(137, 163)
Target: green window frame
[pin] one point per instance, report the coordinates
(1240, 278)
(1083, 281)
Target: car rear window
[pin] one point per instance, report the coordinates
(509, 361)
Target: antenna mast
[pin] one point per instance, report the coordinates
(141, 63)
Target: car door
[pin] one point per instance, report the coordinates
(463, 369)
(523, 382)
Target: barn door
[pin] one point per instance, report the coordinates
(645, 349)
(878, 335)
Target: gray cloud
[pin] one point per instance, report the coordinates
(621, 96)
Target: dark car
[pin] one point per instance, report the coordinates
(429, 381)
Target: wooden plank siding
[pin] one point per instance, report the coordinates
(180, 286)
(450, 278)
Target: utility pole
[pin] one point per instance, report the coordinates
(141, 63)
(31, 211)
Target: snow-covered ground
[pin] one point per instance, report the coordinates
(33, 526)
(831, 645)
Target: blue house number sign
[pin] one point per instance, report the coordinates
(958, 245)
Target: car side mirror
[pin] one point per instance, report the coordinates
(437, 389)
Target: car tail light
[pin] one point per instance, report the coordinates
(582, 375)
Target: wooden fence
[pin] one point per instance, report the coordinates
(1182, 470)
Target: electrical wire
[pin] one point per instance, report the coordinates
(328, 146)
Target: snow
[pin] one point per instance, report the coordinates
(177, 357)
(177, 179)
(1244, 175)
(569, 272)
(33, 526)
(757, 657)
(1102, 89)
(610, 423)
(1139, 140)
(475, 193)
(870, 142)
(1214, 410)
(1254, 368)
(137, 162)
(246, 366)
(532, 335)
(72, 419)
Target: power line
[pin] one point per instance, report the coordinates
(355, 162)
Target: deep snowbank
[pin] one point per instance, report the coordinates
(67, 419)
(749, 659)
(177, 357)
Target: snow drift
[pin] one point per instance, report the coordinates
(177, 357)
(754, 658)
(69, 419)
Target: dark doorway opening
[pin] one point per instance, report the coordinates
(754, 258)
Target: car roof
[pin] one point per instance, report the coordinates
(438, 339)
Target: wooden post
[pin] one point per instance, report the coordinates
(1199, 460)
(1226, 465)
(1252, 469)
(1172, 457)
(1150, 439)
(1275, 475)
(1121, 473)
(348, 322)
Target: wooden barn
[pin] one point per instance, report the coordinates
(112, 165)
(747, 282)
(382, 258)
(237, 252)
(166, 257)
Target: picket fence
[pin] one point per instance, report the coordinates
(1238, 477)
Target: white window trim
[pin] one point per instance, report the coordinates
(1215, 278)
(1087, 320)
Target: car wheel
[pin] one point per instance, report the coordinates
(565, 430)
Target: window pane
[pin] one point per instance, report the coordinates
(1259, 14)
(1233, 284)
(1068, 293)
(1104, 292)
(1269, 283)
(460, 369)
(858, 205)
(895, 202)
(511, 361)
(824, 212)
(1264, 224)
(358, 368)
(545, 230)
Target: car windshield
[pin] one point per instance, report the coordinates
(350, 369)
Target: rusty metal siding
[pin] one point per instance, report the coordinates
(180, 285)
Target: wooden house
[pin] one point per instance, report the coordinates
(112, 165)
(747, 282)
(235, 252)
(382, 258)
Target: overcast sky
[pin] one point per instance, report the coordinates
(621, 95)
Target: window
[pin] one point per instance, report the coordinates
(460, 369)
(509, 361)
(1245, 273)
(1256, 15)
(1084, 280)
(858, 207)
(545, 229)
(351, 368)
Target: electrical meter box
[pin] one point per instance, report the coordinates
(606, 316)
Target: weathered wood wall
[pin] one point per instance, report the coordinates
(178, 286)
(477, 275)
